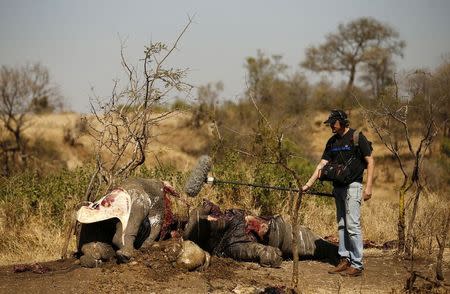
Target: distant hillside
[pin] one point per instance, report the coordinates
(175, 142)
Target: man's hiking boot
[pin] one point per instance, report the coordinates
(351, 272)
(342, 266)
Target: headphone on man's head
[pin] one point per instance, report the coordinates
(342, 117)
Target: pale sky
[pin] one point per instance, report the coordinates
(78, 41)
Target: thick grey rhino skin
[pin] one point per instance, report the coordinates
(185, 254)
(205, 233)
(94, 253)
(147, 204)
(144, 224)
(279, 236)
(310, 244)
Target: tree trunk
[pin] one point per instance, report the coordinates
(351, 79)
(296, 204)
(5, 163)
(410, 233)
(401, 220)
(349, 87)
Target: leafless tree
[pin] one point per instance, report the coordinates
(21, 90)
(123, 126)
(396, 120)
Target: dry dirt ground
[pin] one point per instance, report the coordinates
(151, 273)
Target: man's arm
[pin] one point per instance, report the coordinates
(315, 175)
(367, 194)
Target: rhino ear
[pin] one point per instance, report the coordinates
(116, 204)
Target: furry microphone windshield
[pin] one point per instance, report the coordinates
(198, 176)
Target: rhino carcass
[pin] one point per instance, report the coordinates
(128, 217)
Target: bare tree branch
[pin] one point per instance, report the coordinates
(122, 125)
(393, 118)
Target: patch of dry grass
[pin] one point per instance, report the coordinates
(36, 241)
(379, 220)
(174, 141)
(430, 219)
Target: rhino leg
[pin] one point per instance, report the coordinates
(251, 251)
(312, 245)
(149, 195)
(192, 257)
(137, 215)
(198, 229)
(155, 230)
(309, 245)
(96, 232)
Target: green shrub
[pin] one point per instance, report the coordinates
(54, 195)
(50, 195)
(230, 167)
(233, 167)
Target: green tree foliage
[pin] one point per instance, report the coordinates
(323, 95)
(207, 101)
(263, 73)
(378, 71)
(274, 97)
(364, 41)
(270, 85)
(440, 91)
(281, 96)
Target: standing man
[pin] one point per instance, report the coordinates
(349, 148)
